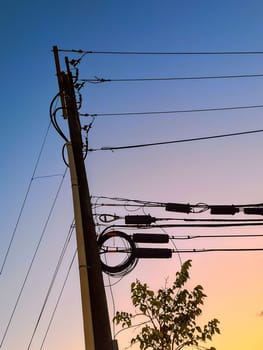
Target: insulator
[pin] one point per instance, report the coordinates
(150, 238)
(153, 253)
(180, 208)
(253, 211)
(139, 219)
(224, 209)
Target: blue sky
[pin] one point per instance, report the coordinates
(223, 171)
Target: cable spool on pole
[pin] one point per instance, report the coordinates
(129, 260)
(109, 243)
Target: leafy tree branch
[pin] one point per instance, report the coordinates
(171, 315)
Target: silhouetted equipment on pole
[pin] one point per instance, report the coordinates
(153, 253)
(178, 207)
(96, 323)
(253, 211)
(130, 250)
(150, 238)
(223, 210)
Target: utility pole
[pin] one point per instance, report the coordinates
(96, 322)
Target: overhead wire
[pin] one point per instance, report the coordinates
(175, 248)
(83, 53)
(205, 250)
(53, 118)
(170, 111)
(135, 253)
(142, 145)
(86, 52)
(232, 224)
(113, 250)
(127, 80)
(127, 200)
(193, 250)
(55, 273)
(32, 261)
(46, 176)
(163, 204)
(108, 218)
(215, 236)
(25, 199)
(58, 300)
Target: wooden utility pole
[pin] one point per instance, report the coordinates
(96, 322)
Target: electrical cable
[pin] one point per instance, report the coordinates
(130, 261)
(122, 80)
(190, 225)
(148, 219)
(46, 176)
(175, 248)
(134, 253)
(115, 283)
(192, 250)
(63, 155)
(170, 112)
(163, 204)
(25, 199)
(205, 250)
(132, 326)
(32, 260)
(86, 129)
(118, 148)
(61, 257)
(122, 205)
(80, 51)
(58, 300)
(137, 201)
(53, 119)
(215, 236)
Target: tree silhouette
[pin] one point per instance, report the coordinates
(169, 316)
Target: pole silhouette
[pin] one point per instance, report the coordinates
(96, 322)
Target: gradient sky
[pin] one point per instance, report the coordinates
(223, 171)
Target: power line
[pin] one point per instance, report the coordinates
(32, 260)
(148, 219)
(25, 198)
(46, 176)
(119, 80)
(53, 117)
(119, 250)
(58, 300)
(200, 205)
(134, 252)
(117, 148)
(206, 250)
(188, 237)
(232, 224)
(62, 254)
(86, 52)
(171, 111)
